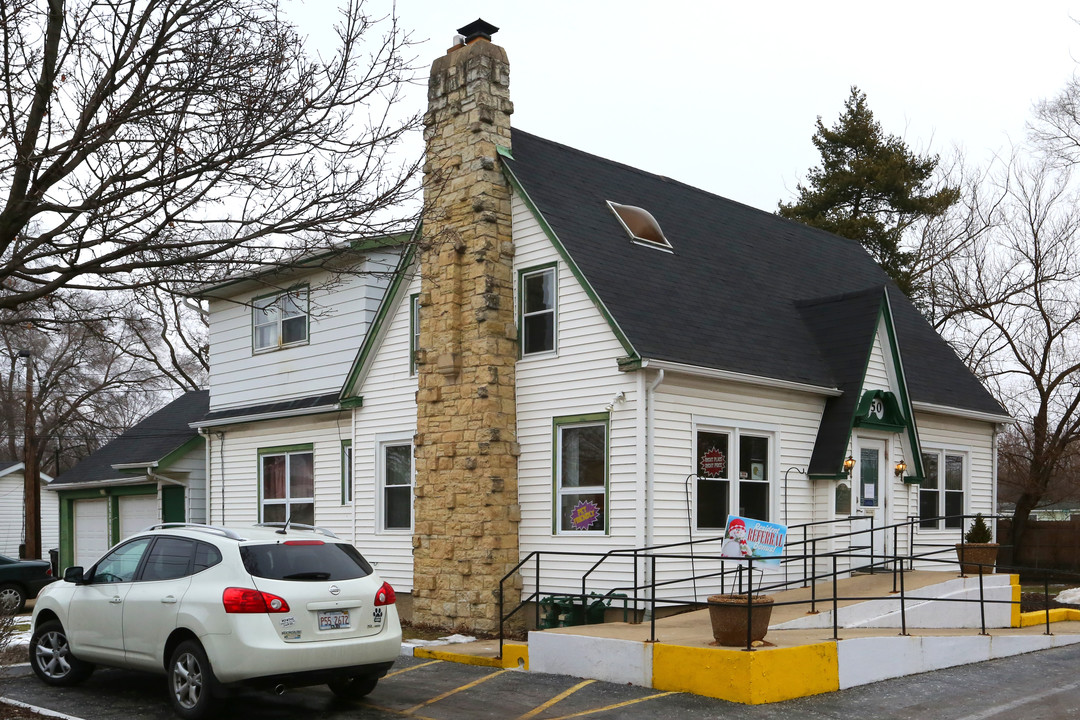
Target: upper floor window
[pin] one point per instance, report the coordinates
(941, 493)
(281, 320)
(538, 293)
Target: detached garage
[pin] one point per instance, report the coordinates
(154, 472)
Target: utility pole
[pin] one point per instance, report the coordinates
(31, 476)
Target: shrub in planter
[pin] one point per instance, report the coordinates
(977, 549)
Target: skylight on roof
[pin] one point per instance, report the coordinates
(641, 225)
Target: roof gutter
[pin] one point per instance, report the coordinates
(760, 380)
(963, 413)
(220, 422)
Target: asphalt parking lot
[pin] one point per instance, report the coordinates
(1037, 686)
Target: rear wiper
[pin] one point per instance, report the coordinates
(308, 576)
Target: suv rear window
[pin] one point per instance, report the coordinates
(322, 561)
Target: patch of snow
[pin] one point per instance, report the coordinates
(1069, 597)
(448, 640)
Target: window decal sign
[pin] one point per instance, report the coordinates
(584, 515)
(713, 463)
(749, 538)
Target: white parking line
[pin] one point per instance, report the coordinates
(39, 710)
(1009, 707)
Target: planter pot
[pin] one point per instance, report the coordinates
(728, 614)
(972, 555)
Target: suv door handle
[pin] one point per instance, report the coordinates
(115, 600)
(169, 599)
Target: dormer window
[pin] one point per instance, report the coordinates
(280, 320)
(641, 225)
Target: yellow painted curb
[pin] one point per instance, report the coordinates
(1016, 620)
(457, 657)
(751, 678)
(515, 656)
(1038, 617)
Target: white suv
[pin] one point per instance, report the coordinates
(211, 606)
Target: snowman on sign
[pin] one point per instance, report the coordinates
(735, 545)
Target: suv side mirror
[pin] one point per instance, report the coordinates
(74, 574)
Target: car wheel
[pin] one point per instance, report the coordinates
(51, 658)
(354, 687)
(191, 681)
(12, 599)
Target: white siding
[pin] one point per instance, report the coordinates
(879, 375)
(11, 517)
(191, 468)
(582, 379)
(974, 440)
(388, 413)
(239, 503)
(342, 308)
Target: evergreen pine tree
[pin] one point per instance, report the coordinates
(870, 187)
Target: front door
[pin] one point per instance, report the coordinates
(872, 488)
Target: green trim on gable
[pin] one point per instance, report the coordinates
(367, 347)
(195, 441)
(574, 269)
(903, 404)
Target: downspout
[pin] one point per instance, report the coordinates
(208, 469)
(650, 474)
(994, 478)
(641, 436)
(650, 470)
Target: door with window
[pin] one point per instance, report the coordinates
(872, 489)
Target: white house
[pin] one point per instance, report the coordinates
(12, 517)
(677, 357)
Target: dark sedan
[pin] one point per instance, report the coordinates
(21, 579)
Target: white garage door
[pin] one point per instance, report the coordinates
(137, 512)
(91, 531)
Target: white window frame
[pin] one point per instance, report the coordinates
(288, 501)
(347, 464)
(523, 275)
(942, 451)
(302, 300)
(734, 431)
(381, 446)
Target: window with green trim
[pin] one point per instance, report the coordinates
(287, 479)
(414, 331)
(280, 320)
(539, 289)
(396, 485)
(581, 474)
(346, 472)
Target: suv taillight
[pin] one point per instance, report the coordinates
(244, 600)
(385, 595)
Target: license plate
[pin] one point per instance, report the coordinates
(333, 619)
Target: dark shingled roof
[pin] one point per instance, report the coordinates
(729, 297)
(148, 441)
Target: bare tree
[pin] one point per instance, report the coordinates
(1011, 306)
(86, 390)
(145, 142)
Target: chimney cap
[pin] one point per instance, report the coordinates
(478, 28)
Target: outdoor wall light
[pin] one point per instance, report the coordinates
(900, 467)
(848, 465)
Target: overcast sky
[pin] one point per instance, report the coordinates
(724, 95)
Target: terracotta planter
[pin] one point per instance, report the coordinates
(972, 555)
(728, 614)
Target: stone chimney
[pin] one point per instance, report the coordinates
(466, 508)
